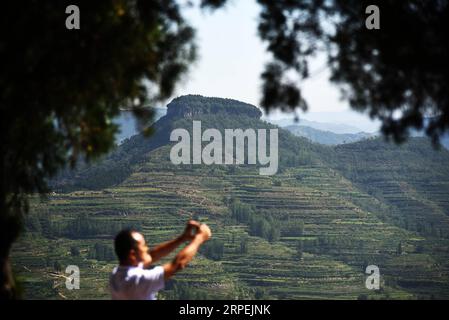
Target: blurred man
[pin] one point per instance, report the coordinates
(133, 278)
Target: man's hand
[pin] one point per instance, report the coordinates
(204, 232)
(191, 230)
(163, 249)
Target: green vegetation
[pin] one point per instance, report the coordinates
(335, 211)
(213, 249)
(94, 73)
(260, 226)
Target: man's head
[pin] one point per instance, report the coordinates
(131, 248)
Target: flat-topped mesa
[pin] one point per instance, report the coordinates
(190, 106)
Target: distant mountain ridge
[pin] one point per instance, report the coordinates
(338, 128)
(327, 137)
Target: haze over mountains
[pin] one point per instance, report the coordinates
(327, 133)
(319, 132)
(327, 137)
(307, 232)
(338, 128)
(128, 125)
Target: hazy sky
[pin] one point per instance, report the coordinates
(231, 59)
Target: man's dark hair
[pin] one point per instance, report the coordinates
(124, 243)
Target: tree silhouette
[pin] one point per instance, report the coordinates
(60, 89)
(397, 74)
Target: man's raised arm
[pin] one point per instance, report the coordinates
(187, 254)
(166, 248)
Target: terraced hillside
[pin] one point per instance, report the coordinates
(307, 232)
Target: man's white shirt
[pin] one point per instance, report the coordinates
(136, 283)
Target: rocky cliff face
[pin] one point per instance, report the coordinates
(191, 106)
